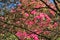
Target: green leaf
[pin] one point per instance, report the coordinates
(8, 36)
(58, 38)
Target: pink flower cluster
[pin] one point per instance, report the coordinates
(23, 35)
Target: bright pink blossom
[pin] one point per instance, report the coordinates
(37, 6)
(17, 22)
(28, 22)
(55, 24)
(2, 18)
(33, 35)
(33, 12)
(46, 32)
(19, 34)
(26, 14)
(48, 18)
(36, 38)
(52, 12)
(42, 16)
(38, 31)
(24, 34)
(37, 17)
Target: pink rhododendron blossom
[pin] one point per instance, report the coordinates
(37, 6)
(37, 17)
(46, 32)
(51, 26)
(24, 19)
(35, 20)
(48, 18)
(29, 22)
(28, 36)
(52, 12)
(42, 16)
(2, 18)
(33, 12)
(52, 6)
(46, 24)
(17, 22)
(38, 31)
(26, 14)
(33, 35)
(41, 24)
(55, 24)
(19, 34)
(24, 34)
(36, 38)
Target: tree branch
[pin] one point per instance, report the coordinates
(27, 30)
(56, 5)
(50, 8)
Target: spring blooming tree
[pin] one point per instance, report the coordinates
(31, 20)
